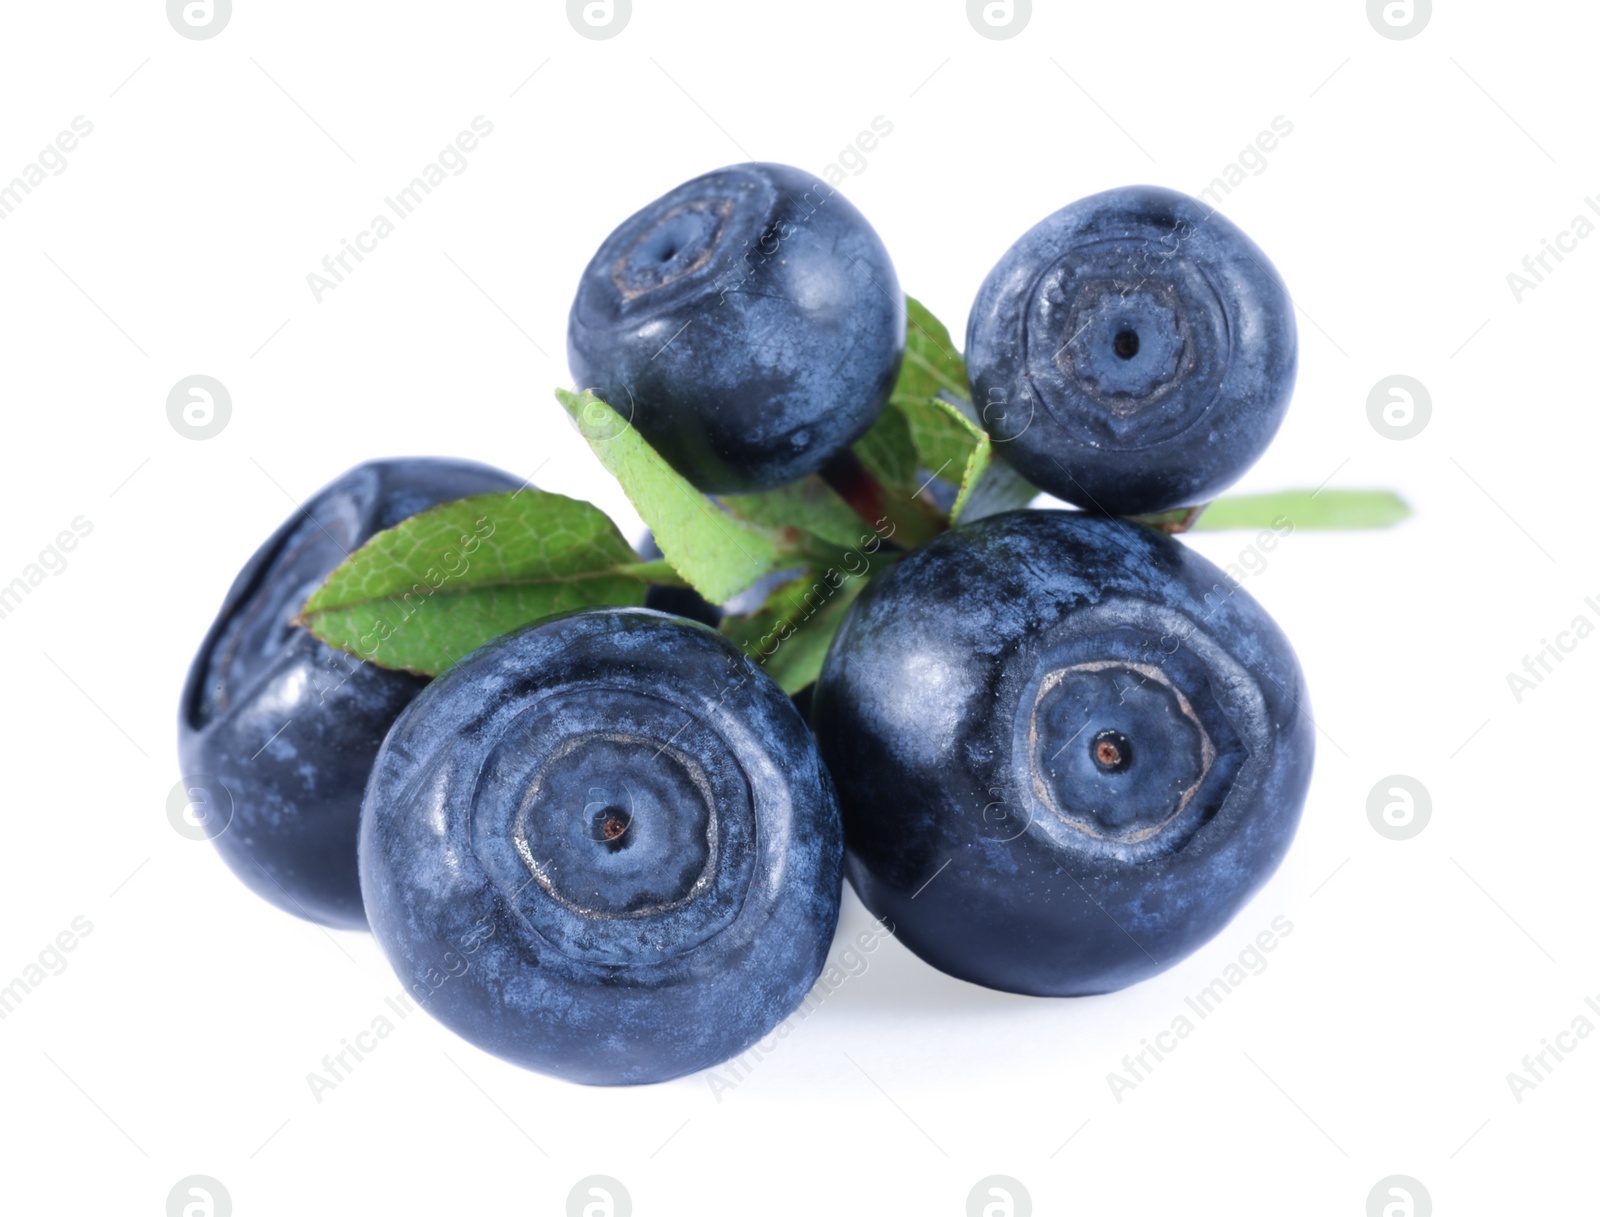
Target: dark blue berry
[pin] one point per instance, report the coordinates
(604, 847)
(1068, 750)
(749, 324)
(1132, 353)
(288, 725)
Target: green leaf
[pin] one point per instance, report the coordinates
(946, 431)
(1346, 510)
(932, 377)
(919, 435)
(790, 634)
(932, 362)
(941, 428)
(986, 485)
(889, 453)
(941, 433)
(1001, 488)
(423, 594)
(810, 504)
(718, 554)
(977, 464)
(658, 572)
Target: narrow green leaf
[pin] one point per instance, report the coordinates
(423, 594)
(945, 437)
(1000, 488)
(718, 554)
(977, 463)
(1345, 510)
(657, 572)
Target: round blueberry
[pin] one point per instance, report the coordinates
(1132, 353)
(1068, 750)
(288, 725)
(604, 847)
(749, 323)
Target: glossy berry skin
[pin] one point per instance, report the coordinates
(1068, 750)
(1132, 353)
(288, 725)
(604, 848)
(749, 323)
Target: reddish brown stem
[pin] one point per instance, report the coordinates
(906, 519)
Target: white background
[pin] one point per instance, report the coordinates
(178, 240)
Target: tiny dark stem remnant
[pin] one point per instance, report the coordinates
(1125, 344)
(611, 826)
(1111, 751)
(1175, 522)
